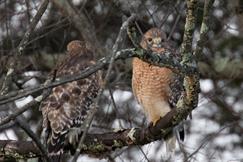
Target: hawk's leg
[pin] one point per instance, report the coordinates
(73, 136)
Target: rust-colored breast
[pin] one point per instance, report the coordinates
(151, 88)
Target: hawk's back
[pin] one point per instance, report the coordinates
(68, 104)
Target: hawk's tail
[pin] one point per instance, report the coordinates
(55, 147)
(171, 144)
(55, 157)
(180, 132)
(171, 140)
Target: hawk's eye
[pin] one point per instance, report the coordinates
(150, 40)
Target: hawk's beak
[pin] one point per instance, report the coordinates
(157, 42)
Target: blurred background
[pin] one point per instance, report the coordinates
(215, 132)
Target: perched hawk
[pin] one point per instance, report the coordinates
(68, 104)
(157, 89)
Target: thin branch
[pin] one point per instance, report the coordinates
(174, 26)
(21, 110)
(24, 125)
(208, 4)
(119, 40)
(22, 45)
(32, 26)
(17, 113)
(80, 21)
(135, 136)
(209, 138)
(7, 126)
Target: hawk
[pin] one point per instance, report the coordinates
(67, 106)
(157, 89)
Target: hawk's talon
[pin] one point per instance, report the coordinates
(73, 136)
(131, 134)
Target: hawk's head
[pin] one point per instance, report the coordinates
(154, 39)
(77, 46)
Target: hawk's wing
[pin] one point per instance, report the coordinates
(176, 83)
(176, 89)
(68, 104)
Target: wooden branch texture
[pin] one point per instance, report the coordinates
(97, 144)
(19, 149)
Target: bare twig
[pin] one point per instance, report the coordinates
(7, 80)
(174, 26)
(22, 45)
(80, 21)
(208, 139)
(7, 126)
(24, 125)
(23, 109)
(32, 26)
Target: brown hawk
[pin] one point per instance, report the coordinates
(68, 105)
(157, 89)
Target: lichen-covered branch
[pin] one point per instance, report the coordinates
(191, 82)
(18, 149)
(98, 144)
(152, 58)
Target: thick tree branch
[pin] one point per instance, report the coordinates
(19, 149)
(98, 144)
(191, 82)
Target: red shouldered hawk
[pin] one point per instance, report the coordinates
(157, 89)
(68, 105)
